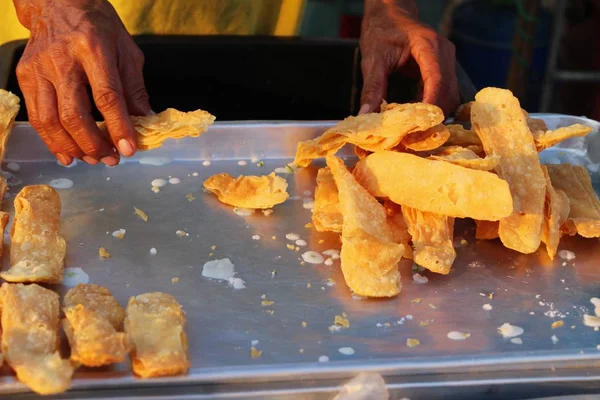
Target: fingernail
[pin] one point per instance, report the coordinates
(90, 160)
(64, 160)
(125, 147)
(364, 109)
(110, 161)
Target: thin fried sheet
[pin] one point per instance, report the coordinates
(486, 230)
(155, 328)
(93, 319)
(463, 112)
(255, 192)
(361, 153)
(427, 140)
(432, 238)
(434, 186)
(584, 213)
(556, 212)
(466, 158)
(502, 127)
(545, 139)
(37, 250)
(398, 226)
(30, 338)
(326, 214)
(459, 136)
(9, 108)
(369, 256)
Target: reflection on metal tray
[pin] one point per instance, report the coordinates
(528, 291)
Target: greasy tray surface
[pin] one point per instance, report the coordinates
(223, 322)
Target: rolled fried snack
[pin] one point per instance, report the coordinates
(435, 186)
(466, 157)
(545, 139)
(502, 127)
(155, 328)
(255, 192)
(427, 140)
(369, 256)
(398, 226)
(9, 108)
(486, 230)
(37, 250)
(584, 213)
(556, 212)
(30, 338)
(326, 215)
(93, 319)
(432, 238)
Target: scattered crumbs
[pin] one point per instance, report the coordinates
(266, 303)
(333, 253)
(557, 324)
(572, 326)
(487, 307)
(100, 210)
(412, 342)
(153, 251)
(418, 300)
(516, 340)
(455, 335)
(482, 294)
(127, 285)
(424, 323)
(328, 262)
(420, 279)
(313, 257)
(304, 324)
(143, 216)
(531, 312)
(254, 343)
(264, 296)
(260, 164)
(292, 236)
(237, 283)
(181, 233)
(190, 197)
(174, 181)
(308, 225)
(387, 325)
(432, 306)
(206, 163)
(302, 263)
(554, 339)
(254, 353)
(341, 321)
(255, 237)
(566, 255)
(323, 359)
(194, 174)
(321, 241)
(211, 254)
(213, 247)
(242, 163)
(243, 212)
(297, 248)
(103, 253)
(510, 331)
(301, 351)
(308, 204)
(155, 189)
(219, 269)
(273, 237)
(591, 321)
(270, 312)
(330, 282)
(290, 246)
(108, 178)
(596, 302)
(301, 242)
(347, 351)
(267, 212)
(119, 234)
(273, 273)
(409, 317)
(174, 280)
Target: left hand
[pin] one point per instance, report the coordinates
(393, 39)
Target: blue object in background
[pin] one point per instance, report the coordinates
(483, 36)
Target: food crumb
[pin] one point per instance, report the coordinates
(304, 324)
(510, 331)
(557, 324)
(418, 300)
(313, 257)
(237, 283)
(591, 321)
(174, 280)
(300, 242)
(243, 212)
(242, 163)
(153, 251)
(127, 285)
(455, 335)
(267, 212)
(420, 279)
(290, 246)
(308, 285)
(347, 351)
(143, 216)
(487, 307)
(328, 262)
(273, 237)
(155, 189)
(103, 253)
(190, 197)
(554, 339)
(432, 306)
(254, 353)
(516, 340)
(412, 342)
(308, 225)
(180, 233)
(206, 163)
(341, 321)
(266, 303)
(255, 237)
(292, 236)
(424, 323)
(321, 241)
(330, 282)
(194, 174)
(119, 234)
(323, 359)
(270, 312)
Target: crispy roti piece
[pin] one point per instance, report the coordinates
(93, 319)
(502, 127)
(37, 251)
(371, 132)
(459, 136)
(427, 140)
(398, 226)
(434, 186)
(486, 230)
(584, 213)
(545, 139)
(466, 157)
(30, 338)
(9, 108)
(369, 256)
(432, 237)
(155, 327)
(255, 192)
(556, 213)
(327, 216)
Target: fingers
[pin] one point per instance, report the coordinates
(109, 96)
(131, 66)
(375, 81)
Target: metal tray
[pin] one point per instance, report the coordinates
(528, 291)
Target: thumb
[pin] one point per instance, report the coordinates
(375, 82)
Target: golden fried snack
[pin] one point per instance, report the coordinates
(369, 256)
(155, 328)
(3, 187)
(432, 237)
(463, 112)
(255, 192)
(93, 318)
(9, 108)
(459, 136)
(326, 214)
(536, 126)
(465, 157)
(434, 186)
(502, 127)
(30, 337)
(486, 230)
(427, 140)
(4, 218)
(584, 214)
(37, 250)
(556, 212)
(545, 139)
(361, 153)
(398, 226)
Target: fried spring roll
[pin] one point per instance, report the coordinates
(155, 328)
(93, 318)
(37, 252)
(30, 337)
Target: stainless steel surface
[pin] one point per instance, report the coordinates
(222, 322)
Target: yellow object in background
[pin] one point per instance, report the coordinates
(185, 17)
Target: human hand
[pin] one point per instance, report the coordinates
(73, 44)
(393, 39)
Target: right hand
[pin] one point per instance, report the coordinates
(73, 44)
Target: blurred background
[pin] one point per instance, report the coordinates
(305, 64)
